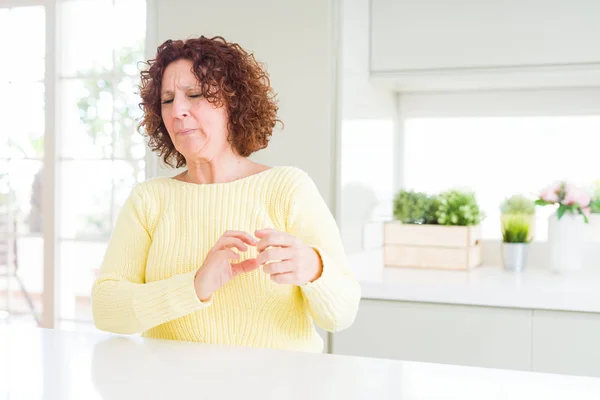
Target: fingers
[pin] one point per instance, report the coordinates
(274, 238)
(275, 254)
(278, 268)
(230, 254)
(245, 266)
(227, 242)
(260, 233)
(288, 278)
(243, 236)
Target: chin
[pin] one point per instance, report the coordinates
(190, 144)
(193, 150)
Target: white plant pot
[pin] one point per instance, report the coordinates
(593, 229)
(566, 241)
(514, 256)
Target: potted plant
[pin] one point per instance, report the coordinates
(412, 207)
(522, 206)
(593, 226)
(516, 237)
(566, 225)
(458, 208)
(434, 231)
(595, 202)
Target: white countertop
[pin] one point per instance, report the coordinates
(484, 286)
(53, 365)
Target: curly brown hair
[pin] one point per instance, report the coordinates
(229, 76)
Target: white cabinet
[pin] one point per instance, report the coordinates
(425, 35)
(566, 343)
(520, 339)
(325, 336)
(454, 334)
(433, 45)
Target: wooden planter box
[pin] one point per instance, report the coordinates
(432, 246)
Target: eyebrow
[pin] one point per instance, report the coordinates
(170, 92)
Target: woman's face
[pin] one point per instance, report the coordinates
(197, 128)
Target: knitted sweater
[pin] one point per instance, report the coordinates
(165, 230)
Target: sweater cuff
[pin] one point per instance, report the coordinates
(324, 287)
(176, 299)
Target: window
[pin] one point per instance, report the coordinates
(500, 156)
(21, 160)
(367, 148)
(99, 154)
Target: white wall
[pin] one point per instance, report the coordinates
(297, 42)
(367, 115)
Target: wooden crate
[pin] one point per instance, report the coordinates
(432, 246)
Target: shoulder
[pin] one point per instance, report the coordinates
(287, 183)
(151, 193)
(147, 200)
(296, 188)
(153, 186)
(290, 178)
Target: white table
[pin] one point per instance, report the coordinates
(48, 364)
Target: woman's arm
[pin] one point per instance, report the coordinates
(122, 302)
(333, 298)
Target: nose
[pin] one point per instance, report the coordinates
(181, 107)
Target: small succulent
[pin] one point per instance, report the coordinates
(515, 229)
(457, 207)
(518, 204)
(412, 207)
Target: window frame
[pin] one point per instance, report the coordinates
(52, 159)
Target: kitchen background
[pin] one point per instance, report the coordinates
(494, 99)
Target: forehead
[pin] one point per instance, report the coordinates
(178, 74)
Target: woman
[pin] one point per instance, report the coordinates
(229, 251)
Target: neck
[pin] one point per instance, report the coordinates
(226, 167)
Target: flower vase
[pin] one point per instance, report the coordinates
(566, 242)
(592, 233)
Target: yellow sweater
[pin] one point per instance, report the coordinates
(163, 233)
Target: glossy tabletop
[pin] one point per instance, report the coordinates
(51, 364)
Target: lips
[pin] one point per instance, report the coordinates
(185, 132)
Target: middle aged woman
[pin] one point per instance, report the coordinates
(229, 251)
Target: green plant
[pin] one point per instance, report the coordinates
(518, 204)
(457, 207)
(595, 204)
(431, 214)
(412, 207)
(515, 229)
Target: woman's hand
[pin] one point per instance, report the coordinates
(286, 258)
(218, 269)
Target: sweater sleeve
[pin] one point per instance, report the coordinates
(333, 298)
(122, 302)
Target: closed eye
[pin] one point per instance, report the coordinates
(168, 101)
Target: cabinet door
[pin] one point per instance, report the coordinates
(566, 343)
(440, 333)
(426, 35)
(325, 336)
